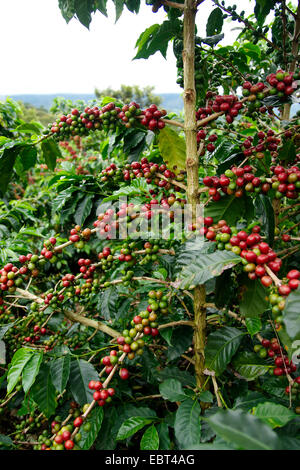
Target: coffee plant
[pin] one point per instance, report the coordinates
(149, 286)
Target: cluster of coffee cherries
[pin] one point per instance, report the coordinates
(266, 141)
(235, 181)
(208, 144)
(256, 254)
(35, 335)
(101, 395)
(255, 93)
(79, 237)
(152, 118)
(272, 349)
(112, 222)
(282, 83)
(228, 104)
(108, 118)
(7, 278)
(277, 299)
(286, 181)
(62, 434)
(142, 169)
(130, 343)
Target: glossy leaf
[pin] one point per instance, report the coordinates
(50, 152)
(229, 208)
(253, 301)
(60, 371)
(157, 38)
(172, 390)
(83, 209)
(187, 423)
(31, 370)
(43, 391)
(250, 366)
(18, 362)
(254, 325)
(215, 22)
(150, 439)
(204, 267)
(81, 372)
(243, 430)
(265, 212)
(221, 347)
(274, 414)
(132, 425)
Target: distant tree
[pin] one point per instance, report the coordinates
(33, 113)
(127, 93)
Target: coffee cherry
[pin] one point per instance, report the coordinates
(69, 444)
(124, 374)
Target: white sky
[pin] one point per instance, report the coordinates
(41, 53)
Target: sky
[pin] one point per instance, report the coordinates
(41, 53)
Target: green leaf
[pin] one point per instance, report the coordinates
(157, 38)
(247, 402)
(7, 161)
(132, 425)
(95, 419)
(223, 150)
(83, 10)
(119, 4)
(164, 437)
(243, 430)
(221, 347)
(101, 6)
(83, 209)
(67, 9)
(106, 439)
(215, 22)
(28, 157)
(206, 396)
(137, 187)
(262, 9)
(250, 366)
(253, 298)
(43, 391)
(174, 373)
(19, 361)
(108, 303)
(30, 127)
(291, 315)
(265, 212)
(150, 439)
(172, 390)
(60, 371)
(182, 338)
(204, 267)
(50, 152)
(253, 325)
(81, 372)
(230, 208)
(172, 148)
(273, 414)
(187, 423)
(31, 370)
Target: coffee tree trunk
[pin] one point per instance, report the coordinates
(192, 172)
